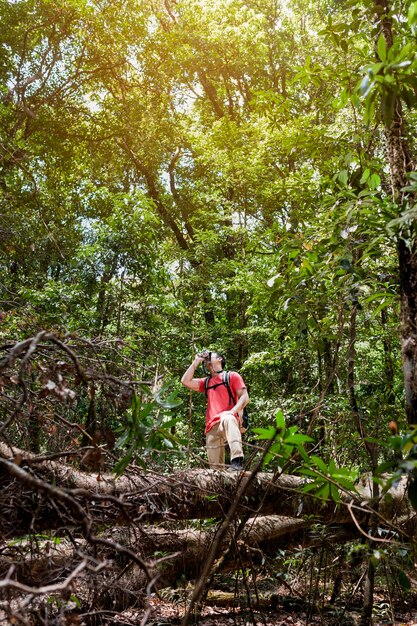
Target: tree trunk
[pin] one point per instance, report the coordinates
(33, 567)
(113, 558)
(401, 164)
(388, 359)
(407, 258)
(35, 495)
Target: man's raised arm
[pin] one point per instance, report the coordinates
(188, 379)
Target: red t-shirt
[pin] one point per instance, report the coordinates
(218, 399)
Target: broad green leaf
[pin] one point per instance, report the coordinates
(318, 462)
(303, 454)
(343, 177)
(334, 492)
(309, 487)
(344, 482)
(412, 14)
(121, 465)
(347, 265)
(280, 421)
(170, 423)
(265, 433)
(323, 492)
(123, 440)
(310, 472)
(297, 439)
(388, 100)
(374, 181)
(382, 47)
(332, 467)
(403, 580)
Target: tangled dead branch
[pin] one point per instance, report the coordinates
(103, 553)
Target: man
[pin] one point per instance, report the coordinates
(223, 416)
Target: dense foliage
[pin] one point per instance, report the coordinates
(232, 175)
(184, 174)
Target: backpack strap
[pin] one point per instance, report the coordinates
(225, 381)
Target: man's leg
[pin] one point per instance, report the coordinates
(233, 436)
(215, 447)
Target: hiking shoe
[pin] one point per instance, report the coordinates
(237, 464)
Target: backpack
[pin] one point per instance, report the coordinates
(226, 383)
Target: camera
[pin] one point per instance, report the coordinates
(205, 354)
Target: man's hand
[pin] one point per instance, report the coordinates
(188, 379)
(223, 416)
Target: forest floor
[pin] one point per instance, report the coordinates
(163, 612)
(277, 605)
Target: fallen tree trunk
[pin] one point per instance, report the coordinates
(44, 564)
(28, 503)
(184, 549)
(118, 566)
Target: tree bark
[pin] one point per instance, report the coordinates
(122, 557)
(401, 164)
(105, 580)
(34, 496)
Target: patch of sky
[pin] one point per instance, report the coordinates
(94, 101)
(152, 24)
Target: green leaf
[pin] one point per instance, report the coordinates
(374, 181)
(121, 465)
(318, 462)
(403, 580)
(306, 471)
(303, 454)
(135, 404)
(212, 497)
(342, 177)
(383, 444)
(382, 47)
(344, 482)
(170, 423)
(123, 440)
(387, 104)
(146, 410)
(347, 265)
(323, 492)
(375, 68)
(412, 14)
(172, 401)
(309, 487)
(297, 439)
(265, 433)
(334, 492)
(280, 421)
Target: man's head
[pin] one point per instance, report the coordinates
(222, 359)
(215, 362)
